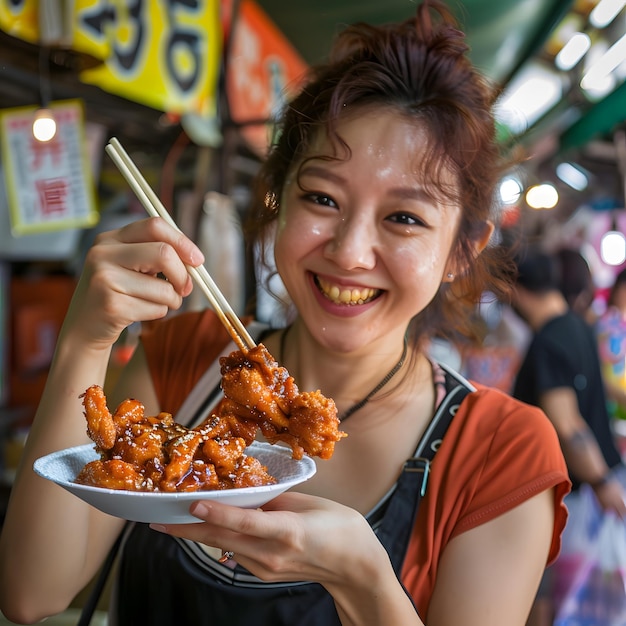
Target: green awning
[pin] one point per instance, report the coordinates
(600, 119)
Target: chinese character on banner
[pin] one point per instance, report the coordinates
(49, 185)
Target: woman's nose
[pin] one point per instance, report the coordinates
(352, 245)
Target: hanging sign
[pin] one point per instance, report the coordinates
(263, 70)
(49, 185)
(164, 54)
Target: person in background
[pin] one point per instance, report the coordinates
(611, 330)
(379, 190)
(576, 282)
(561, 374)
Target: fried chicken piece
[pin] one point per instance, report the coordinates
(112, 474)
(100, 425)
(244, 426)
(201, 477)
(181, 452)
(226, 454)
(257, 384)
(130, 412)
(103, 427)
(240, 427)
(224, 424)
(250, 472)
(257, 388)
(311, 423)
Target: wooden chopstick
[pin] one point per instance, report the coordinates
(200, 274)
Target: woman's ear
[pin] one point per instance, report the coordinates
(481, 243)
(454, 267)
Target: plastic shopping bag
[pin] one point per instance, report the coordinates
(577, 542)
(597, 595)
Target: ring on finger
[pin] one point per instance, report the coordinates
(227, 555)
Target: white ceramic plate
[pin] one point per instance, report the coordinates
(172, 508)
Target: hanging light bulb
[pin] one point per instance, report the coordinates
(613, 245)
(573, 51)
(613, 242)
(573, 175)
(510, 189)
(605, 12)
(542, 196)
(44, 125)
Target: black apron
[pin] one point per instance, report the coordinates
(166, 581)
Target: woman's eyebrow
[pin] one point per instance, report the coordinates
(321, 172)
(416, 192)
(412, 193)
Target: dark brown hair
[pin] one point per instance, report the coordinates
(418, 68)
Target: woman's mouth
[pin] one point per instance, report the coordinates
(346, 295)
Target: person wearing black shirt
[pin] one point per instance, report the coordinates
(561, 373)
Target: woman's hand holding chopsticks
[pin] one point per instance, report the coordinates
(153, 206)
(121, 281)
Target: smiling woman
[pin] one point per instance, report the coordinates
(377, 198)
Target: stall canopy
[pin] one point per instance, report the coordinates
(502, 35)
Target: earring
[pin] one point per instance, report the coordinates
(271, 201)
(450, 276)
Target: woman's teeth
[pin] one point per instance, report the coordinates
(346, 296)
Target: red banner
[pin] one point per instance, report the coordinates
(263, 69)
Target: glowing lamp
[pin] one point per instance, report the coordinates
(44, 126)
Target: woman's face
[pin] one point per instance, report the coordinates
(361, 246)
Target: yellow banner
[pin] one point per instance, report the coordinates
(161, 53)
(20, 19)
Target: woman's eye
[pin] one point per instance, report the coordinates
(406, 219)
(321, 199)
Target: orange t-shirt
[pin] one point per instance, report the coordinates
(497, 453)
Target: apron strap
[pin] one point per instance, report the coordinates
(399, 520)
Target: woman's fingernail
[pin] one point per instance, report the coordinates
(200, 509)
(159, 528)
(197, 258)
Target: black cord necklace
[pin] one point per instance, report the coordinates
(361, 403)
